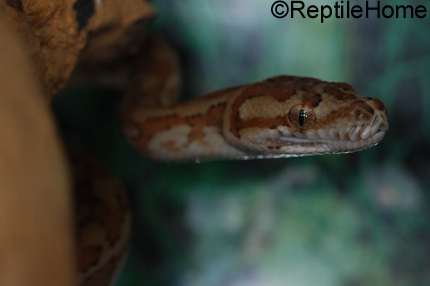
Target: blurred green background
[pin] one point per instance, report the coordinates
(356, 219)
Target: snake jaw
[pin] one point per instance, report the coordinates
(325, 141)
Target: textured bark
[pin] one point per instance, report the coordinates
(13, 15)
(55, 33)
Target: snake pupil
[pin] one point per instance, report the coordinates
(302, 117)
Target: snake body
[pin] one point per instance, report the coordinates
(280, 117)
(102, 219)
(283, 116)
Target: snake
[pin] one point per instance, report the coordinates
(280, 117)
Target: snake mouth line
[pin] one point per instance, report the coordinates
(324, 146)
(353, 138)
(297, 147)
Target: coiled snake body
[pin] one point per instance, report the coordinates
(283, 116)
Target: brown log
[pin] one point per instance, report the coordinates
(36, 238)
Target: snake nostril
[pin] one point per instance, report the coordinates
(360, 116)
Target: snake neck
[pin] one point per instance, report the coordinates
(191, 131)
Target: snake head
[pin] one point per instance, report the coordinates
(290, 116)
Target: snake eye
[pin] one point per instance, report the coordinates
(301, 117)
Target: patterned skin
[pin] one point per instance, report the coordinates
(283, 116)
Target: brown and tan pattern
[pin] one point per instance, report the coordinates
(283, 116)
(102, 221)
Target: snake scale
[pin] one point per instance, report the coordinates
(280, 117)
